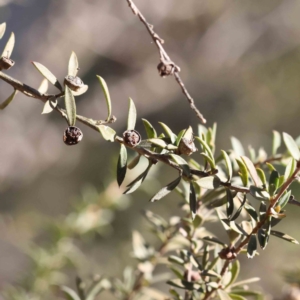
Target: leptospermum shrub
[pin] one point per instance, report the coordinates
(214, 187)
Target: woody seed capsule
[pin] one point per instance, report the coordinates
(6, 63)
(74, 83)
(72, 136)
(131, 137)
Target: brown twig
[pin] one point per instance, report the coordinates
(166, 66)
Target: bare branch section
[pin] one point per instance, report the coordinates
(166, 67)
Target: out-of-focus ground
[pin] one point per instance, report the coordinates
(240, 60)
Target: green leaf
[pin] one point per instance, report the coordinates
(176, 259)
(73, 65)
(48, 75)
(209, 182)
(290, 168)
(122, 165)
(70, 106)
(291, 146)
(166, 190)
(69, 293)
(246, 281)
(43, 88)
(169, 132)
(107, 98)
(235, 271)
(107, 133)
(8, 49)
(229, 204)
(8, 100)
(227, 164)
(2, 29)
(131, 115)
(213, 239)
(259, 194)
(284, 236)
(207, 149)
(236, 297)
(252, 246)
(243, 171)
(101, 285)
(263, 234)
(209, 160)
(252, 212)
(134, 162)
(283, 201)
(179, 137)
(49, 106)
(262, 176)
(158, 142)
(237, 146)
(132, 186)
(193, 201)
(237, 213)
(182, 163)
(150, 131)
(252, 171)
(276, 142)
(223, 295)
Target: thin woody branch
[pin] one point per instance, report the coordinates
(166, 66)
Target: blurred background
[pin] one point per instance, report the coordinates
(240, 60)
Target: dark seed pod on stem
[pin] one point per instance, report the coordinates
(186, 146)
(72, 135)
(131, 137)
(228, 253)
(6, 63)
(74, 83)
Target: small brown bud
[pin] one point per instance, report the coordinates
(74, 83)
(166, 68)
(131, 137)
(228, 253)
(186, 146)
(6, 63)
(72, 135)
(191, 276)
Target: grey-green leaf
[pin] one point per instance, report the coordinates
(2, 29)
(43, 88)
(237, 146)
(166, 190)
(73, 65)
(252, 171)
(107, 133)
(229, 204)
(193, 201)
(70, 106)
(107, 97)
(237, 213)
(209, 182)
(71, 294)
(8, 100)
(252, 246)
(223, 295)
(48, 75)
(276, 142)
(131, 115)
(134, 162)
(150, 131)
(227, 164)
(182, 163)
(291, 146)
(122, 165)
(8, 49)
(169, 132)
(284, 236)
(49, 106)
(290, 168)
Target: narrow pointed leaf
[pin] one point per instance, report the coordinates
(2, 29)
(235, 271)
(276, 142)
(131, 115)
(193, 201)
(209, 160)
(107, 133)
(246, 281)
(284, 236)
(252, 212)
(49, 106)
(252, 171)
(236, 297)
(73, 65)
(158, 142)
(8, 49)
(122, 165)
(8, 100)
(206, 148)
(262, 176)
(179, 137)
(150, 131)
(259, 194)
(69, 293)
(283, 201)
(134, 162)
(237, 213)
(213, 239)
(43, 88)
(291, 146)
(243, 171)
(209, 182)
(252, 246)
(166, 190)
(229, 204)
(48, 75)
(132, 186)
(169, 132)
(182, 163)
(290, 168)
(107, 97)
(227, 164)
(97, 289)
(237, 147)
(223, 295)
(70, 106)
